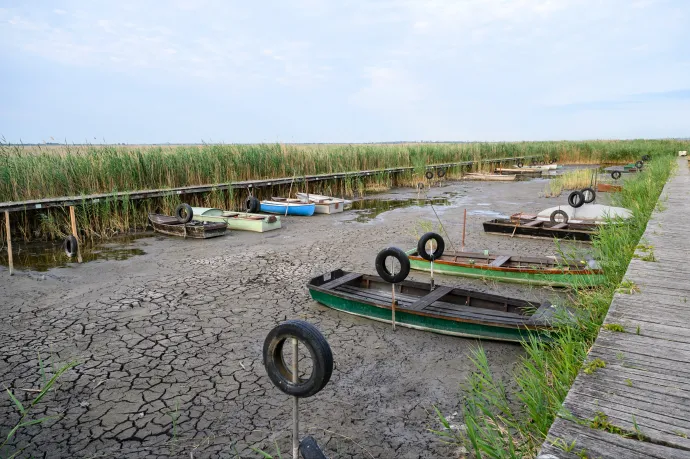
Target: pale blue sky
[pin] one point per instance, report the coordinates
(351, 71)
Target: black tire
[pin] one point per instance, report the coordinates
(556, 213)
(615, 175)
(309, 449)
(319, 350)
(71, 246)
(440, 246)
(252, 204)
(184, 213)
(576, 199)
(383, 270)
(440, 173)
(639, 164)
(553, 161)
(589, 195)
(429, 175)
(519, 163)
(646, 158)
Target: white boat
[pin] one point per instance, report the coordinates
(242, 221)
(323, 204)
(490, 177)
(588, 213)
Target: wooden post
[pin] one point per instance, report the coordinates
(73, 218)
(9, 242)
(464, 221)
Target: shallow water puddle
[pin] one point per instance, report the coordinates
(371, 208)
(42, 256)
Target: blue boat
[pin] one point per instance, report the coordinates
(288, 207)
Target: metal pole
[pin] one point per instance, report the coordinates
(432, 275)
(295, 402)
(9, 242)
(393, 305)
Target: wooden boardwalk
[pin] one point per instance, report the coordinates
(641, 398)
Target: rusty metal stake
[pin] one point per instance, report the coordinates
(9, 242)
(295, 402)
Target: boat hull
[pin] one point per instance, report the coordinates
(329, 208)
(197, 230)
(323, 204)
(244, 221)
(576, 232)
(303, 210)
(532, 277)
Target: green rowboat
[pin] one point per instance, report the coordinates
(240, 221)
(445, 310)
(527, 270)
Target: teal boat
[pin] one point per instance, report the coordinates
(513, 268)
(445, 310)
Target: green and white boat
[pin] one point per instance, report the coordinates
(240, 221)
(445, 310)
(552, 271)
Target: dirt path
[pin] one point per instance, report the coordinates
(169, 343)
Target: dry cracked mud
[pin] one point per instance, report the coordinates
(168, 344)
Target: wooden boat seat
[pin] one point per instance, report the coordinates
(500, 261)
(431, 297)
(533, 223)
(559, 226)
(341, 280)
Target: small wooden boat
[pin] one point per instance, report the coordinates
(241, 221)
(531, 227)
(194, 229)
(284, 206)
(608, 188)
(524, 171)
(489, 177)
(513, 268)
(446, 310)
(323, 204)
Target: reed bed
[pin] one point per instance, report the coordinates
(499, 425)
(571, 180)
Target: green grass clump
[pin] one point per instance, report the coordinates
(515, 426)
(615, 328)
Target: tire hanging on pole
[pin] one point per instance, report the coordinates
(589, 195)
(437, 253)
(576, 199)
(382, 269)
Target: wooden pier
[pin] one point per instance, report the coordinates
(66, 201)
(638, 404)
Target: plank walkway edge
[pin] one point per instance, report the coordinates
(14, 206)
(654, 357)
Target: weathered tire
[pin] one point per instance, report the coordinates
(309, 449)
(556, 213)
(519, 163)
(71, 246)
(319, 350)
(440, 246)
(576, 199)
(184, 213)
(639, 164)
(589, 194)
(252, 204)
(382, 269)
(440, 173)
(615, 175)
(429, 175)
(646, 158)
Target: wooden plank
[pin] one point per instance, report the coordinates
(559, 226)
(431, 297)
(500, 261)
(331, 285)
(532, 223)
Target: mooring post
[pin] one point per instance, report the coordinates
(295, 401)
(9, 242)
(464, 221)
(73, 218)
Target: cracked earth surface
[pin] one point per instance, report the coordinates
(168, 344)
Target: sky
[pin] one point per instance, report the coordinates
(189, 71)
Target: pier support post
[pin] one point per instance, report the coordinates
(9, 242)
(73, 219)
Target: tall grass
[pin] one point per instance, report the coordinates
(571, 180)
(495, 427)
(50, 171)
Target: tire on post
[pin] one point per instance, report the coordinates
(519, 163)
(639, 164)
(615, 175)
(319, 350)
(589, 195)
(437, 253)
(252, 204)
(556, 213)
(382, 269)
(646, 158)
(440, 173)
(184, 213)
(429, 175)
(576, 199)
(71, 246)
